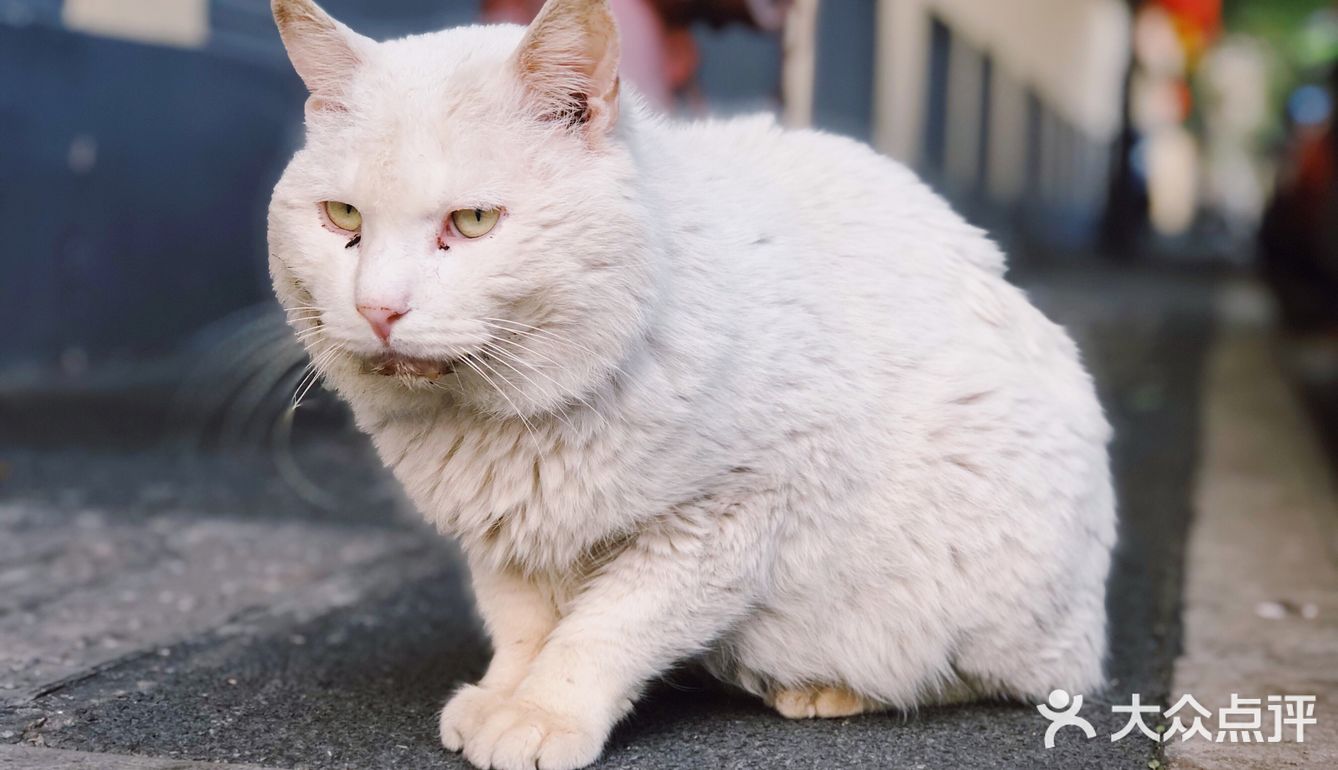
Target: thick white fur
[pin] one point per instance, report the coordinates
(768, 400)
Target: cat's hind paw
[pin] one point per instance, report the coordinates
(819, 702)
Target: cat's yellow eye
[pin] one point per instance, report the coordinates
(475, 223)
(344, 216)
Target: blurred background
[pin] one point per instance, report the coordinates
(1102, 139)
(189, 567)
(141, 138)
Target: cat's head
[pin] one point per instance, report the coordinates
(463, 220)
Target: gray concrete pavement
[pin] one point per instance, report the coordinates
(29, 758)
(1261, 595)
(207, 610)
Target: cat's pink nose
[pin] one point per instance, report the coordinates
(382, 319)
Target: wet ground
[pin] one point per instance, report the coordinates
(168, 595)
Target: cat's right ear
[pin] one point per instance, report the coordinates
(324, 52)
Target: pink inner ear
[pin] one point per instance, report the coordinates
(319, 104)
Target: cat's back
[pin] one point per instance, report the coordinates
(753, 182)
(808, 246)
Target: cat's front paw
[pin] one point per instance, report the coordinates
(465, 712)
(503, 733)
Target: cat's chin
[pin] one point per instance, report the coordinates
(396, 365)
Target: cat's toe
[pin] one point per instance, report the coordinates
(465, 712)
(516, 747)
(569, 750)
(520, 736)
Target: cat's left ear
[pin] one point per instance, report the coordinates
(568, 63)
(324, 52)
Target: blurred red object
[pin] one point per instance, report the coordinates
(1205, 15)
(1199, 22)
(659, 53)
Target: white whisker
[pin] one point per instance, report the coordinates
(313, 336)
(476, 366)
(324, 358)
(557, 385)
(556, 337)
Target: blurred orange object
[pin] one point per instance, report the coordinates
(1199, 22)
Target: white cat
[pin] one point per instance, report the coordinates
(711, 389)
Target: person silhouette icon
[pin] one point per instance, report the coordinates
(1062, 711)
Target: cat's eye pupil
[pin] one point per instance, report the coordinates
(474, 223)
(342, 216)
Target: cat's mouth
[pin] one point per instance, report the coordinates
(396, 365)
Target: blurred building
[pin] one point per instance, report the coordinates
(1009, 107)
(145, 135)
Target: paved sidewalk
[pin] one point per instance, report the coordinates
(29, 758)
(200, 607)
(1261, 596)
